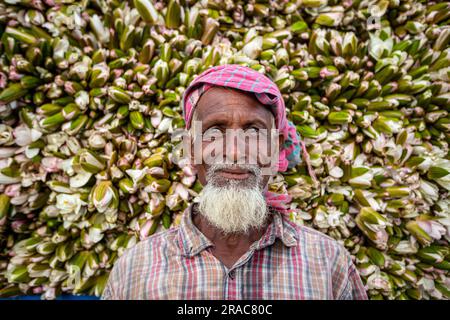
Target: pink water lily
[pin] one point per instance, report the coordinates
(189, 170)
(188, 180)
(19, 199)
(2, 80)
(144, 229)
(156, 201)
(156, 118)
(13, 190)
(181, 191)
(6, 153)
(324, 72)
(378, 281)
(432, 228)
(52, 164)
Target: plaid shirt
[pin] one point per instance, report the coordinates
(288, 262)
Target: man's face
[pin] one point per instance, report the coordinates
(232, 199)
(221, 111)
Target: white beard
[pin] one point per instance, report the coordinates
(235, 206)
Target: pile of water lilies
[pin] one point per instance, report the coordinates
(90, 94)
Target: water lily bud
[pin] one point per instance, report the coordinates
(4, 208)
(89, 161)
(425, 230)
(373, 225)
(105, 199)
(147, 10)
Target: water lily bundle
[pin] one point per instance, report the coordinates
(90, 95)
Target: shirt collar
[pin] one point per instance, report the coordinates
(192, 241)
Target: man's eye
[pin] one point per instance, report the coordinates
(252, 130)
(212, 133)
(213, 130)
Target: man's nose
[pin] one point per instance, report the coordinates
(235, 148)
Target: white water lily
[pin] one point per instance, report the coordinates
(360, 160)
(8, 152)
(407, 246)
(181, 190)
(4, 179)
(337, 136)
(368, 270)
(347, 191)
(6, 135)
(20, 199)
(370, 197)
(69, 203)
(378, 281)
(100, 30)
(156, 171)
(395, 152)
(156, 118)
(425, 164)
(188, 181)
(144, 229)
(31, 152)
(95, 235)
(321, 219)
(165, 125)
(56, 140)
(379, 47)
(433, 228)
(429, 191)
(444, 165)
(334, 217)
(172, 201)
(379, 143)
(427, 285)
(156, 203)
(303, 215)
(102, 203)
(336, 172)
(105, 199)
(253, 48)
(363, 180)
(67, 166)
(12, 190)
(80, 179)
(178, 194)
(96, 141)
(137, 174)
(90, 161)
(394, 125)
(24, 135)
(82, 99)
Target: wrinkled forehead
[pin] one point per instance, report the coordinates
(222, 97)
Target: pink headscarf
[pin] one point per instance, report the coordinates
(267, 92)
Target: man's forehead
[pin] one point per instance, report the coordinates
(218, 94)
(218, 100)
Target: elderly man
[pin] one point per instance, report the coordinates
(236, 242)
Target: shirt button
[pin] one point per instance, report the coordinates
(231, 274)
